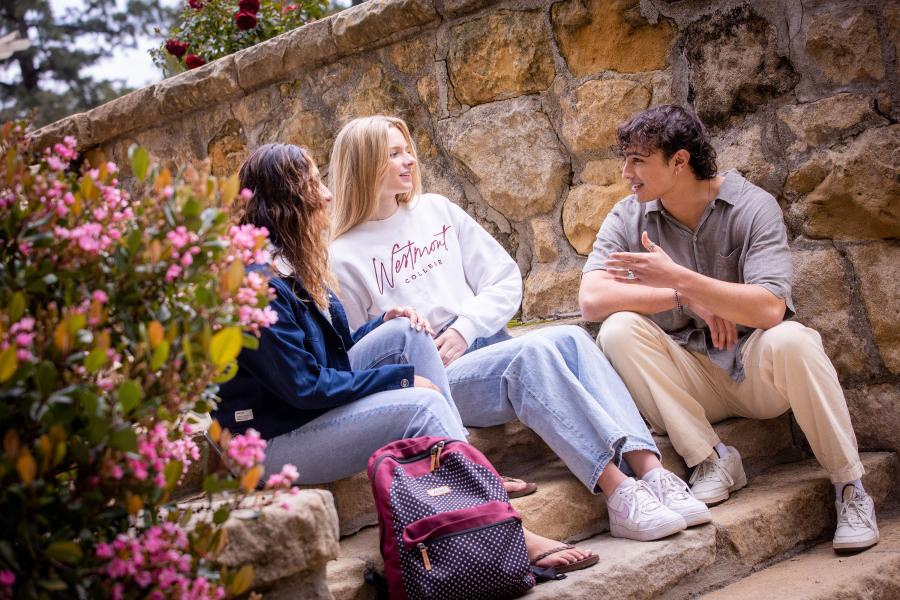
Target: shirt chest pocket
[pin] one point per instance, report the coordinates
(727, 268)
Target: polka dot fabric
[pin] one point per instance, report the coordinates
(454, 533)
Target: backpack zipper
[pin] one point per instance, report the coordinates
(436, 455)
(423, 549)
(415, 457)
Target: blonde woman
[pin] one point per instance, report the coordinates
(396, 245)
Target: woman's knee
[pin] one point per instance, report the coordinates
(619, 330)
(431, 413)
(791, 338)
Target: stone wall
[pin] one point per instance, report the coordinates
(514, 106)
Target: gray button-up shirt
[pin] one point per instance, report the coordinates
(741, 238)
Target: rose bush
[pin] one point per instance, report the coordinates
(207, 30)
(120, 311)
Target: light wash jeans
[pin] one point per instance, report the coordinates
(557, 382)
(339, 443)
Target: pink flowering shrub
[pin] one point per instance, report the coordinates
(121, 308)
(210, 29)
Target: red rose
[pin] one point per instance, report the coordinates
(176, 48)
(195, 4)
(193, 61)
(245, 20)
(250, 6)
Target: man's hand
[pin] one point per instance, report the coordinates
(416, 321)
(724, 332)
(653, 268)
(451, 345)
(424, 382)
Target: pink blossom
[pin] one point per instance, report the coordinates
(56, 164)
(283, 479)
(100, 296)
(104, 550)
(247, 449)
(111, 167)
(172, 273)
(7, 578)
(246, 194)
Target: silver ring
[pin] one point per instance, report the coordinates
(652, 246)
(629, 274)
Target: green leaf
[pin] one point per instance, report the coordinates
(140, 158)
(160, 355)
(226, 373)
(124, 439)
(133, 241)
(129, 395)
(242, 581)
(221, 515)
(172, 472)
(225, 346)
(67, 552)
(76, 322)
(95, 360)
(251, 342)
(212, 484)
(9, 362)
(45, 377)
(192, 208)
(16, 307)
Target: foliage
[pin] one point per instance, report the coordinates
(118, 312)
(210, 29)
(51, 76)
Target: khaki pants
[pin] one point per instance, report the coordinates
(681, 392)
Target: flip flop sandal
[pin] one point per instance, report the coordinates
(529, 488)
(584, 563)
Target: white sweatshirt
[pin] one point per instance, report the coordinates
(434, 257)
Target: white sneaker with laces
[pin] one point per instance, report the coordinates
(856, 525)
(673, 493)
(636, 514)
(715, 478)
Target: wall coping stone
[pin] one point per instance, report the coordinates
(369, 25)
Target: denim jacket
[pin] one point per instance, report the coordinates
(301, 369)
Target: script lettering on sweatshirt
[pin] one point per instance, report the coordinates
(405, 260)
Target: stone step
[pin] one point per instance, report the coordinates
(784, 507)
(517, 451)
(820, 574)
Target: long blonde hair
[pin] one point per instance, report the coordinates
(359, 165)
(287, 201)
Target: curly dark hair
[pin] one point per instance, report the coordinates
(287, 201)
(669, 128)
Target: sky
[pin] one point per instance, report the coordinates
(132, 65)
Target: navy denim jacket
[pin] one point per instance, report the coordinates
(301, 369)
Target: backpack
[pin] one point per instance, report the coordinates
(447, 528)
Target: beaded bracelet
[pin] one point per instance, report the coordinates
(678, 303)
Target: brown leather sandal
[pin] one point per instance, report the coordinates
(529, 488)
(584, 563)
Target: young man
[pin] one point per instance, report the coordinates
(692, 274)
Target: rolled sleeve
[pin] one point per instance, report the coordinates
(611, 238)
(767, 262)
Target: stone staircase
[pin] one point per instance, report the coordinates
(762, 542)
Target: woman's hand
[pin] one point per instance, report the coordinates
(451, 345)
(416, 321)
(424, 382)
(653, 268)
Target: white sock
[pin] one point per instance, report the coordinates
(839, 488)
(650, 474)
(721, 449)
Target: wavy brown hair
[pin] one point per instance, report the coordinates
(287, 200)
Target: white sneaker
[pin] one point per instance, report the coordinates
(856, 526)
(636, 514)
(673, 493)
(714, 479)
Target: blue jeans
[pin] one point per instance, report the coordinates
(339, 443)
(557, 382)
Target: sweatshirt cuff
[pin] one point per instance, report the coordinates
(466, 328)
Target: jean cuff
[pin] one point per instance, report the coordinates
(613, 455)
